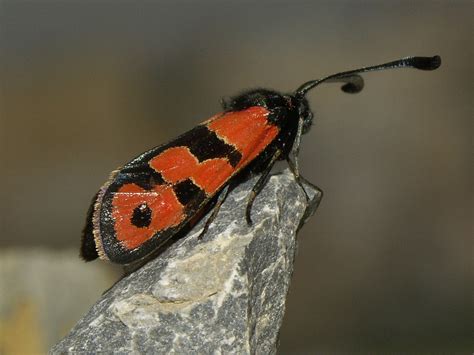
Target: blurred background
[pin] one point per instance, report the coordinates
(384, 265)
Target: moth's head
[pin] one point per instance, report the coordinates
(304, 112)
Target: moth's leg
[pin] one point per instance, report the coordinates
(296, 149)
(294, 164)
(294, 169)
(299, 180)
(220, 200)
(319, 192)
(259, 185)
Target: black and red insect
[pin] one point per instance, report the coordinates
(151, 198)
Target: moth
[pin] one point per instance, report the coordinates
(150, 199)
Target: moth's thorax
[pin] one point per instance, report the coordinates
(285, 109)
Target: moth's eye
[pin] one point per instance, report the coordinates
(141, 216)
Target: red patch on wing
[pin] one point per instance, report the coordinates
(166, 212)
(174, 164)
(247, 130)
(178, 164)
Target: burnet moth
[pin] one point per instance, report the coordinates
(157, 194)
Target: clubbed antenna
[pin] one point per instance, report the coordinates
(353, 83)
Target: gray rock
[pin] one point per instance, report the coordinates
(222, 294)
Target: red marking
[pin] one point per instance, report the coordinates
(174, 164)
(166, 212)
(212, 174)
(178, 164)
(247, 130)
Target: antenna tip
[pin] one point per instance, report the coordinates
(350, 88)
(353, 84)
(427, 63)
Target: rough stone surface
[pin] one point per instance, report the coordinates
(222, 294)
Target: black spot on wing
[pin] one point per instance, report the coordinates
(188, 193)
(205, 144)
(141, 217)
